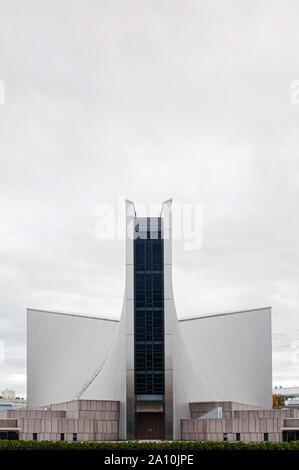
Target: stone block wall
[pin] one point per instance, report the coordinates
(8, 423)
(239, 422)
(81, 420)
(200, 408)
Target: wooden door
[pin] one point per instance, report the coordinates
(149, 426)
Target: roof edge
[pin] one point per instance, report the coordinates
(69, 314)
(223, 314)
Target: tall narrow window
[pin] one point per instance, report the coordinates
(62, 437)
(149, 307)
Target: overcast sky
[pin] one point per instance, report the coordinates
(149, 99)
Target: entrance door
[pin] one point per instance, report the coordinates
(149, 426)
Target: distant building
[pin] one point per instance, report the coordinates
(6, 405)
(8, 394)
(290, 394)
(19, 403)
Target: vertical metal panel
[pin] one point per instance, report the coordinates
(170, 318)
(129, 313)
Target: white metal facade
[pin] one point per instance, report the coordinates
(64, 352)
(231, 355)
(225, 357)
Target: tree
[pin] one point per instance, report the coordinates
(277, 401)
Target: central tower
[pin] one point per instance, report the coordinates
(150, 318)
(149, 371)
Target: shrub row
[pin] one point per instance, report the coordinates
(147, 446)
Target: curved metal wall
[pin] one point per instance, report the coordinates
(232, 355)
(110, 382)
(64, 352)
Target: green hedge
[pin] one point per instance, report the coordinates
(147, 446)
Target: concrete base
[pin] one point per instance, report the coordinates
(81, 420)
(239, 422)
